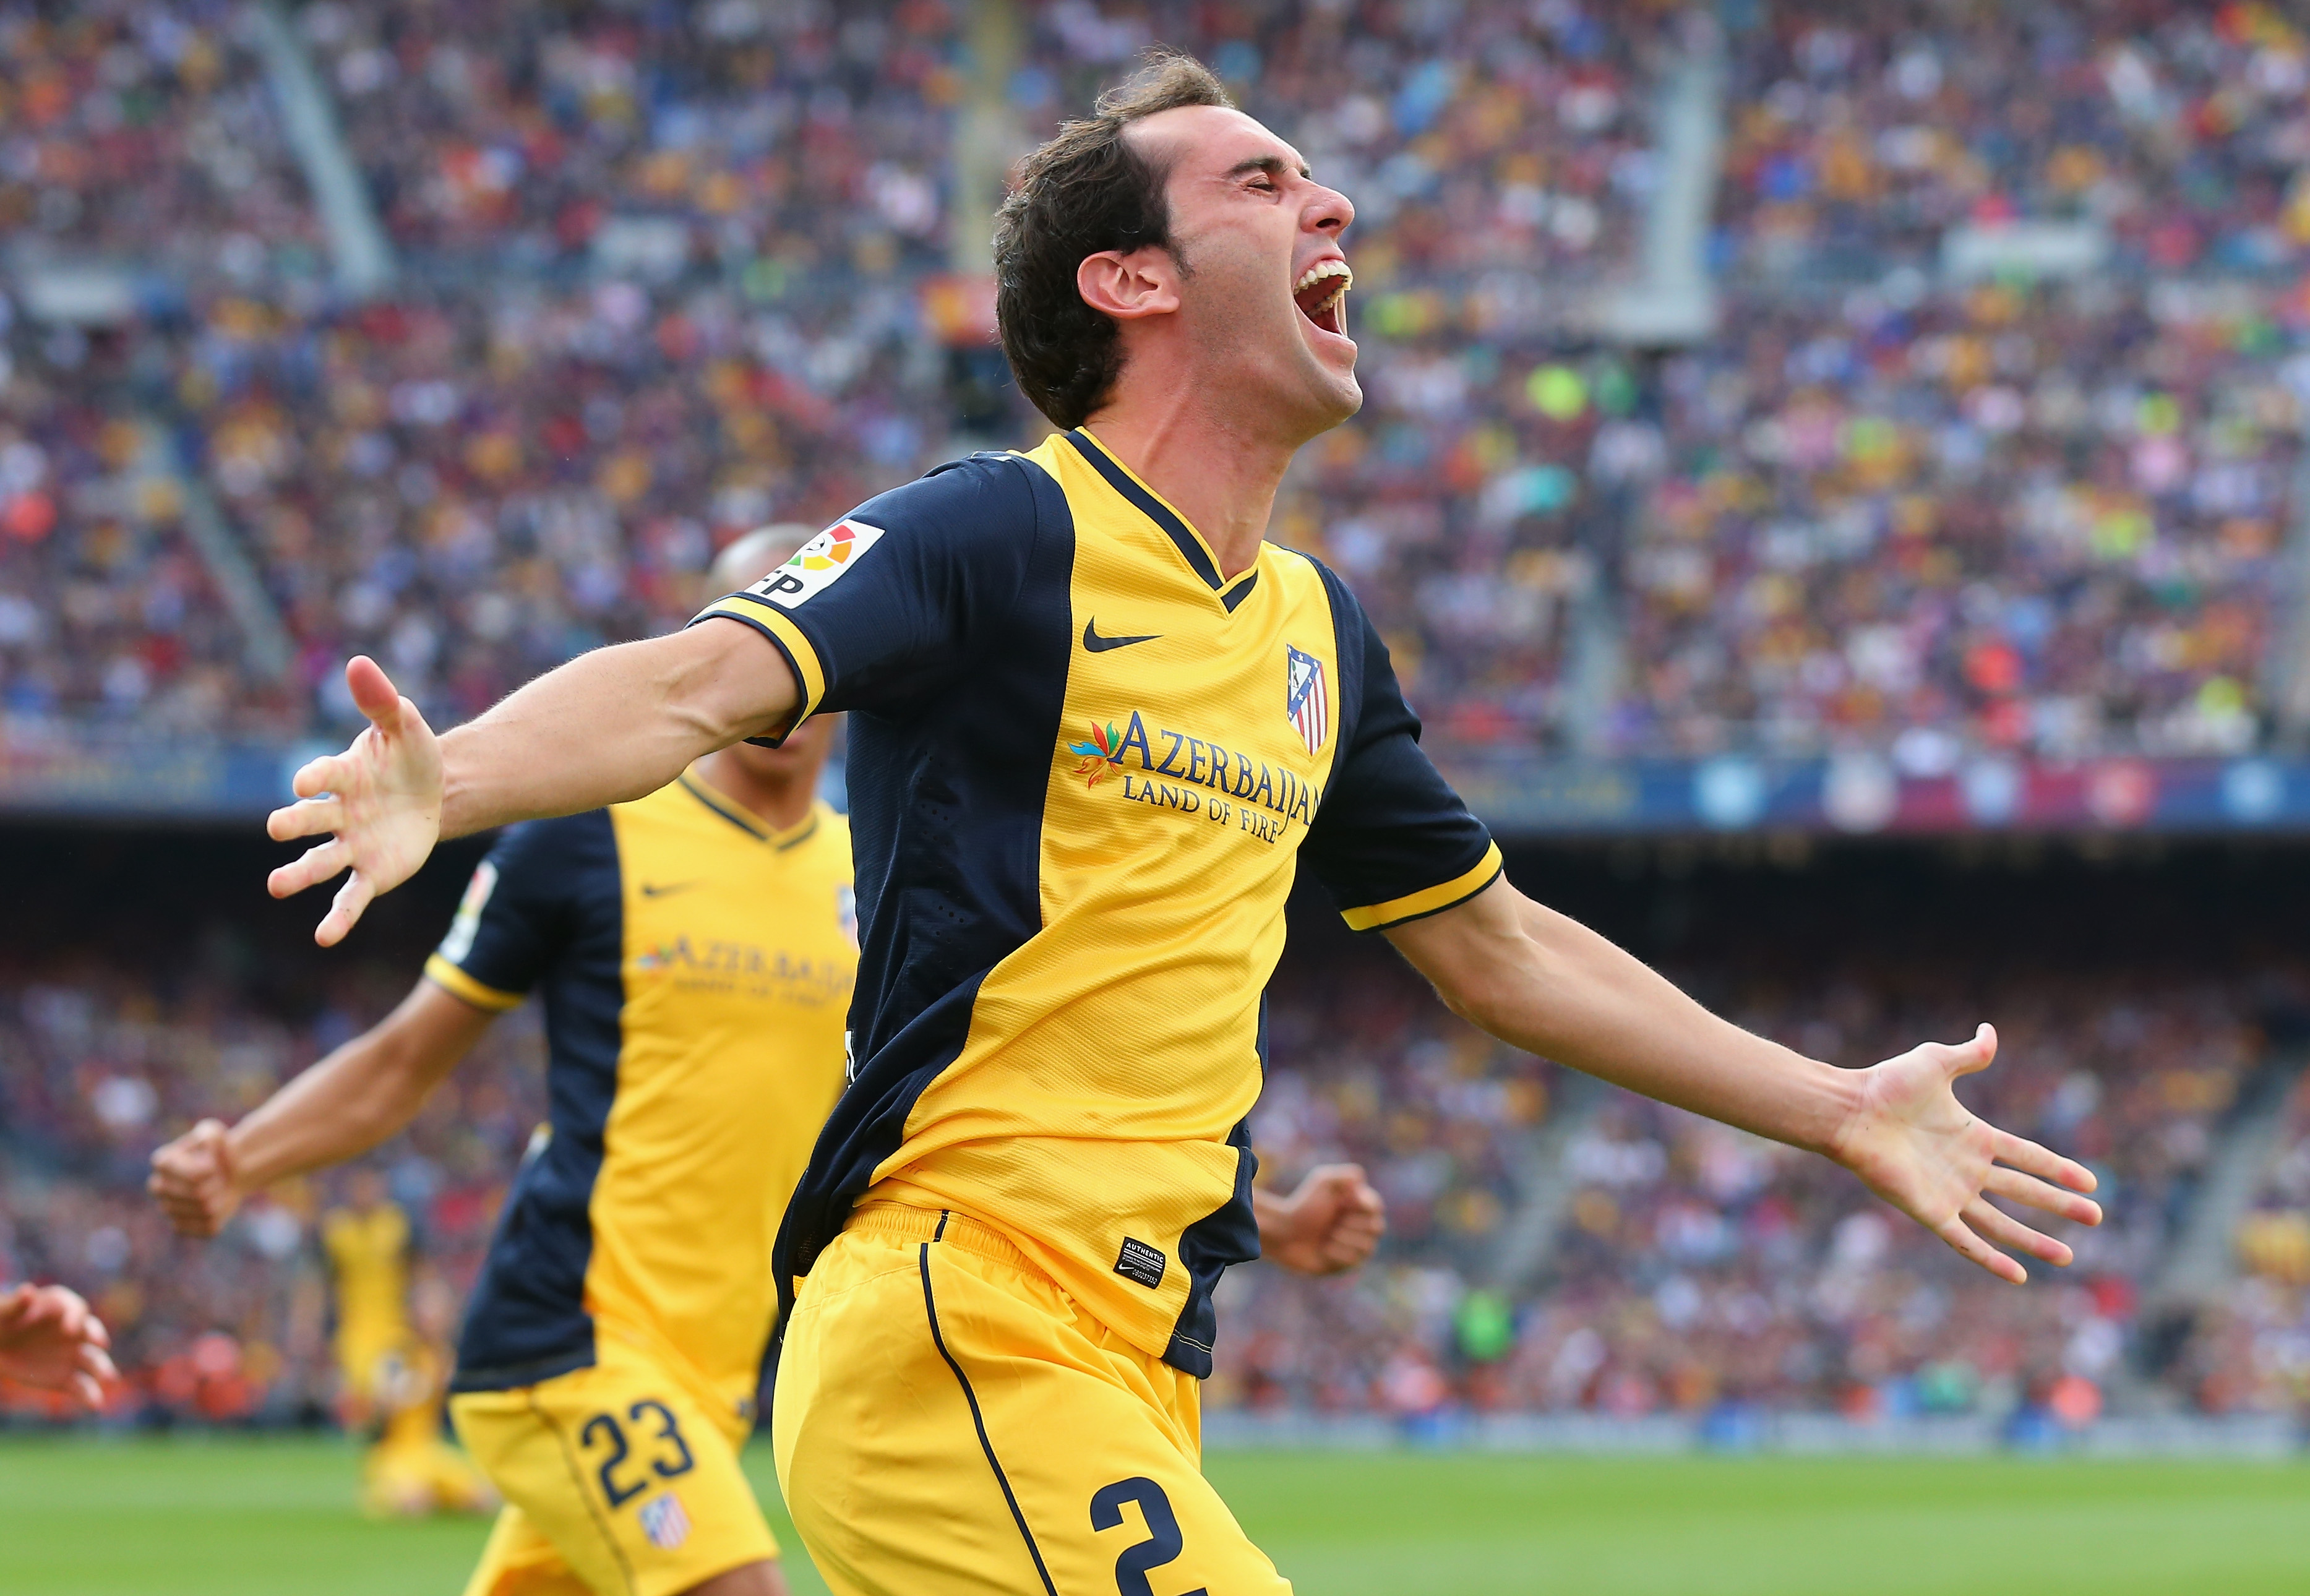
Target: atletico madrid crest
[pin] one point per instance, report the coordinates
(665, 1521)
(1307, 697)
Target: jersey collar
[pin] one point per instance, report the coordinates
(745, 819)
(1151, 503)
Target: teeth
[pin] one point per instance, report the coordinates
(1321, 270)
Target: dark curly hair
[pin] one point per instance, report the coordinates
(1085, 192)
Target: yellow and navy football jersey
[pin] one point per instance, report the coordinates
(1083, 766)
(695, 968)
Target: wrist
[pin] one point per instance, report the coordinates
(1839, 1103)
(237, 1159)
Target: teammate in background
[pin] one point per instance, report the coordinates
(1101, 723)
(390, 1373)
(695, 950)
(50, 1340)
(367, 1242)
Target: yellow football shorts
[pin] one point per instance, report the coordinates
(948, 1422)
(617, 1480)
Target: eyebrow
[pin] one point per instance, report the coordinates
(1273, 165)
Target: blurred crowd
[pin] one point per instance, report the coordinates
(1690, 1268)
(667, 273)
(2042, 520)
(2175, 131)
(1678, 1267)
(141, 135)
(2036, 503)
(2256, 1349)
(101, 1066)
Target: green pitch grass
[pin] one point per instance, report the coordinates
(273, 1517)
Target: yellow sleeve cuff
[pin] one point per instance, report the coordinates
(1432, 900)
(459, 984)
(773, 623)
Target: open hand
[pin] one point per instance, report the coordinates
(192, 1178)
(1329, 1225)
(1922, 1150)
(381, 798)
(48, 1338)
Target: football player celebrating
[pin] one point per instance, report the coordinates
(1100, 723)
(695, 950)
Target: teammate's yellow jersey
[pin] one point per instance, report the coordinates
(368, 1262)
(695, 968)
(1084, 768)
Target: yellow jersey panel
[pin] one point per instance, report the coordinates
(696, 970)
(738, 969)
(1176, 798)
(1085, 766)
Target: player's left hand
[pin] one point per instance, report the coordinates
(1914, 1144)
(49, 1338)
(1329, 1225)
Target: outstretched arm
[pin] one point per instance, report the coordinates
(609, 725)
(1546, 984)
(363, 1093)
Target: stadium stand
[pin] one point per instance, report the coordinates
(1696, 1267)
(2043, 520)
(104, 1062)
(142, 135)
(665, 273)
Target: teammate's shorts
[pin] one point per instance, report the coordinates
(948, 1422)
(617, 1481)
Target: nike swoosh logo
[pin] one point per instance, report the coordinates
(657, 889)
(1099, 645)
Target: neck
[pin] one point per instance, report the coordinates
(1220, 475)
(781, 801)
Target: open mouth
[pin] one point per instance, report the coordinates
(1322, 295)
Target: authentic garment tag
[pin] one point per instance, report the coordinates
(1140, 1263)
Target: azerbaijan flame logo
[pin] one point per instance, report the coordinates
(1099, 755)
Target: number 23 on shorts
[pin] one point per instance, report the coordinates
(670, 1454)
(1163, 1543)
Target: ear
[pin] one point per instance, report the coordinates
(1130, 287)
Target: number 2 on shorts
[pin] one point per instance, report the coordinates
(1163, 1542)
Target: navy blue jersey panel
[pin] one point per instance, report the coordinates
(526, 1320)
(1390, 825)
(1207, 1247)
(947, 784)
(523, 925)
(892, 631)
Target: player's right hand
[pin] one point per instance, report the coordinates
(192, 1178)
(381, 799)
